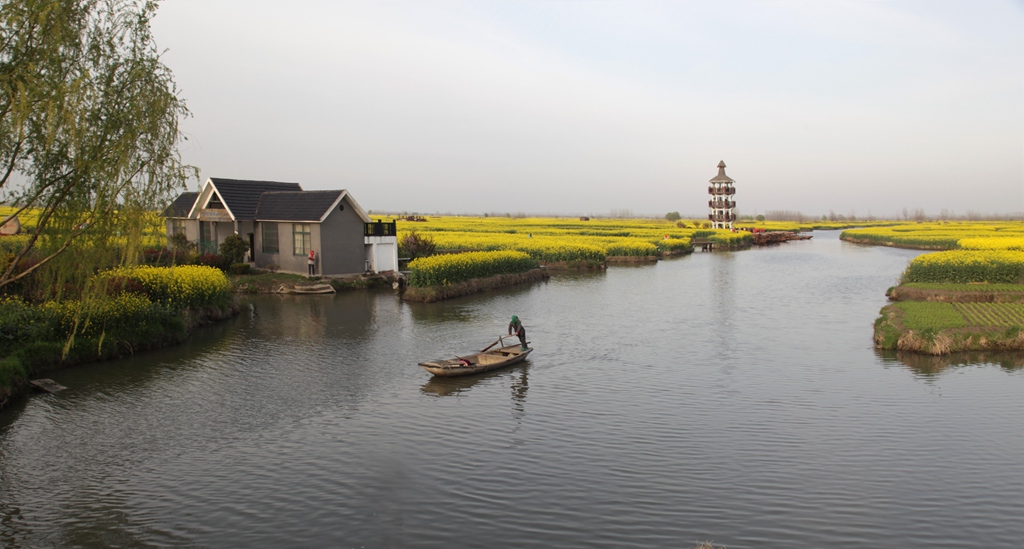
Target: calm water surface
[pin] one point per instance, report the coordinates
(732, 397)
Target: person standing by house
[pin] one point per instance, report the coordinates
(516, 327)
(312, 262)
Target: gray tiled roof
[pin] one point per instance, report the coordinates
(242, 197)
(295, 206)
(721, 177)
(181, 205)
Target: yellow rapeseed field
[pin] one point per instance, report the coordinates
(977, 251)
(945, 235)
(565, 239)
(446, 269)
(177, 287)
(967, 266)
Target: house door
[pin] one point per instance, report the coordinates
(207, 238)
(252, 247)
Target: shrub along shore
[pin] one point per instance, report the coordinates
(129, 310)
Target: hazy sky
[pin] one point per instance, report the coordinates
(593, 106)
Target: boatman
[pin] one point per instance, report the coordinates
(516, 327)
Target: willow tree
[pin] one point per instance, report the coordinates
(88, 129)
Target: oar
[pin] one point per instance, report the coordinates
(491, 345)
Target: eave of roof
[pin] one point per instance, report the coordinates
(721, 177)
(181, 206)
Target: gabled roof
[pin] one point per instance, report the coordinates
(304, 206)
(311, 206)
(721, 177)
(241, 197)
(181, 205)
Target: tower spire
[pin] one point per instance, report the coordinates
(721, 205)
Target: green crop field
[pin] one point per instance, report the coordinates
(966, 287)
(992, 314)
(935, 315)
(931, 315)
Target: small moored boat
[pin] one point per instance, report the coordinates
(483, 361)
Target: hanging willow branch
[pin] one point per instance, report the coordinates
(88, 125)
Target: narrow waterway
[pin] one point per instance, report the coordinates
(733, 397)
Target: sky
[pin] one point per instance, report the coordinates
(598, 107)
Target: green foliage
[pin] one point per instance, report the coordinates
(415, 245)
(966, 287)
(886, 335)
(89, 127)
(240, 268)
(180, 243)
(12, 371)
(760, 218)
(39, 336)
(673, 216)
(930, 315)
(233, 249)
(443, 270)
(992, 314)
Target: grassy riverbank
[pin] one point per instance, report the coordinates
(127, 310)
(968, 296)
(269, 283)
(957, 300)
(429, 294)
(940, 328)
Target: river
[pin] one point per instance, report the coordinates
(730, 396)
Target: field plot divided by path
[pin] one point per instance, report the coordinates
(992, 314)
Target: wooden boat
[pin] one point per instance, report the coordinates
(483, 361)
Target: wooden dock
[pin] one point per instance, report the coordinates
(705, 244)
(47, 385)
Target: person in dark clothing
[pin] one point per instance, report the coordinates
(516, 327)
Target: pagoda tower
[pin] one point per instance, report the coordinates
(722, 205)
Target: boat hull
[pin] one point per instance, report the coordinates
(479, 362)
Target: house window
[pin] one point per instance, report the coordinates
(177, 226)
(302, 237)
(270, 242)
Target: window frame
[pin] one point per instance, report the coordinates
(267, 228)
(302, 240)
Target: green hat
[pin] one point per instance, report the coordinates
(514, 317)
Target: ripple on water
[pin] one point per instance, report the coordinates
(733, 397)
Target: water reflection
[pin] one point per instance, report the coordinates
(454, 386)
(316, 317)
(931, 365)
(464, 309)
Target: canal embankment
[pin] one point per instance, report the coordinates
(126, 310)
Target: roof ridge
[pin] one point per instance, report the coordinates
(215, 179)
(312, 191)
